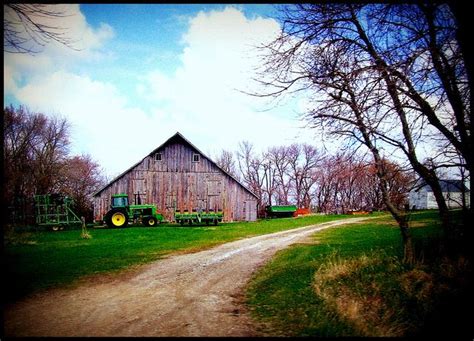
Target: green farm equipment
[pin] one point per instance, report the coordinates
(195, 217)
(54, 210)
(121, 213)
(280, 211)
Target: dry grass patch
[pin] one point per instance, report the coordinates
(380, 296)
(354, 283)
(417, 284)
(15, 239)
(413, 224)
(367, 311)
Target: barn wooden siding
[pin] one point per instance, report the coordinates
(179, 182)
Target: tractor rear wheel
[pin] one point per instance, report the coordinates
(117, 218)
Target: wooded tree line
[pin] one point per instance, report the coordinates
(308, 177)
(37, 160)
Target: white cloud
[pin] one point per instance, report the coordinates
(85, 45)
(101, 121)
(200, 99)
(9, 79)
(218, 60)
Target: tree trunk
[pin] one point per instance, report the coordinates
(402, 218)
(428, 175)
(408, 249)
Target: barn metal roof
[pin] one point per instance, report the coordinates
(447, 185)
(176, 138)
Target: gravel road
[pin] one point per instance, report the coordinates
(196, 294)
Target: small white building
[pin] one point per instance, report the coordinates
(422, 197)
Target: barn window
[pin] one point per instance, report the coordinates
(196, 157)
(158, 157)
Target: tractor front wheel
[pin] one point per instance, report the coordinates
(150, 221)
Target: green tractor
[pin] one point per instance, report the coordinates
(121, 213)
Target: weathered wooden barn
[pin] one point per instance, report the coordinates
(178, 176)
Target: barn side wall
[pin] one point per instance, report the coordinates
(178, 182)
(418, 199)
(426, 200)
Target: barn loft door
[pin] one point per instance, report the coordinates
(214, 187)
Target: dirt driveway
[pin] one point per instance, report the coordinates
(197, 294)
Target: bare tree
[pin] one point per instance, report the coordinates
(227, 162)
(303, 158)
(34, 149)
(80, 177)
(49, 151)
(269, 179)
(348, 173)
(332, 183)
(36, 161)
(326, 185)
(19, 130)
(252, 171)
(27, 28)
(345, 182)
(279, 158)
(369, 67)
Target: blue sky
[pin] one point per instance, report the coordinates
(143, 72)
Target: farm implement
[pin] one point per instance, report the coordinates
(121, 213)
(195, 217)
(54, 211)
(280, 211)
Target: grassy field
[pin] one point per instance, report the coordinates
(39, 260)
(351, 282)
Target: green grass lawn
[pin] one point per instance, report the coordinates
(352, 282)
(39, 260)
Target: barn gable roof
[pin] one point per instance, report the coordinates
(176, 138)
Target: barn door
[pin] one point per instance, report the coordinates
(250, 211)
(170, 205)
(213, 194)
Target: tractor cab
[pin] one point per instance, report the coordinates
(119, 200)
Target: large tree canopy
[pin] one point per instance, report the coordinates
(390, 77)
(36, 161)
